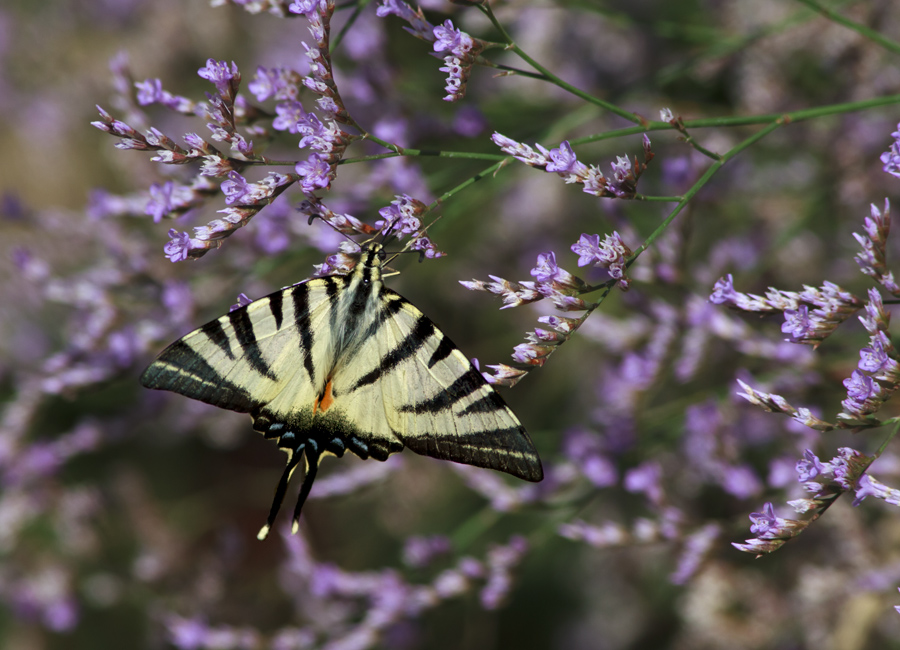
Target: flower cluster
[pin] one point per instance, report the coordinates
(810, 316)
(553, 282)
(877, 376)
(563, 162)
(872, 260)
(825, 482)
(462, 52)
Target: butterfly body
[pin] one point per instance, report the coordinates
(343, 363)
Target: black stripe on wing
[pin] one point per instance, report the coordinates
(300, 299)
(276, 307)
(508, 450)
(465, 385)
(488, 403)
(216, 333)
(181, 369)
(444, 349)
(243, 331)
(407, 348)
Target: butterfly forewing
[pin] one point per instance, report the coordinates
(339, 363)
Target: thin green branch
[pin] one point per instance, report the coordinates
(713, 169)
(552, 78)
(867, 32)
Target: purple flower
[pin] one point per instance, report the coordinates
(149, 91)
(766, 524)
(289, 115)
(315, 172)
(235, 188)
(401, 216)
(220, 74)
(859, 387)
(419, 26)
(521, 151)
(809, 467)
(870, 487)
(547, 270)
(424, 244)
(160, 202)
(724, 292)
(563, 160)
(306, 7)
(645, 479)
(278, 82)
(448, 38)
(873, 359)
(797, 324)
(622, 184)
(587, 248)
(180, 245)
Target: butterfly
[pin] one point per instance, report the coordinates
(340, 363)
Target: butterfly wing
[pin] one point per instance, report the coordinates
(256, 353)
(412, 378)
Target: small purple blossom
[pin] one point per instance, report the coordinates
(402, 216)
(448, 38)
(306, 7)
(220, 74)
(723, 291)
(235, 188)
(766, 524)
(646, 479)
(426, 246)
(563, 160)
(289, 115)
(547, 270)
(860, 387)
(797, 324)
(160, 202)
(149, 91)
(315, 173)
(419, 26)
(870, 487)
(809, 467)
(179, 247)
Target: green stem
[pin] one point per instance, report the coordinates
(357, 10)
(612, 108)
(871, 34)
(713, 169)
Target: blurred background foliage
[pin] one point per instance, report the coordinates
(146, 514)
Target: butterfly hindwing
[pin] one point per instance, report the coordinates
(341, 363)
(434, 400)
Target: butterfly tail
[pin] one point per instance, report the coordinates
(280, 492)
(312, 466)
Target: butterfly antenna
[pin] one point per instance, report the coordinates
(312, 466)
(279, 493)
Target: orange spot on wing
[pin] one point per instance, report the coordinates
(325, 400)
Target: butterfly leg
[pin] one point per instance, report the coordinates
(293, 460)
(312, 466)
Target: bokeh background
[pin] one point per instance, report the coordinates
(128, 518)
